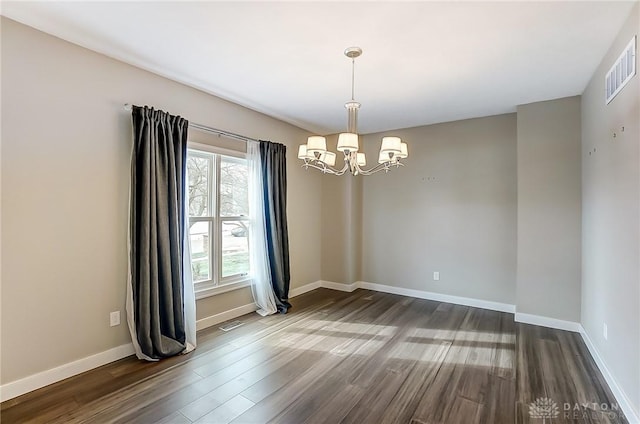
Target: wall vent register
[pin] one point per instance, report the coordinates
(621, 72)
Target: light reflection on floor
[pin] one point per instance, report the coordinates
(477, 348)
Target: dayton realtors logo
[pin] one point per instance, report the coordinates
(591, 411)
(544, 408)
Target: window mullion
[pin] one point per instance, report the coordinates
(234, 218)
(193, 219)
(212, 220)
(218, 225)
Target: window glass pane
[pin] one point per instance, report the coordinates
(199, 169)
(235, 248)
(234, 196)
(199, 236)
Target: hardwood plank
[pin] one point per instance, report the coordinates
(200, 407)
(52, 413)
(134, 397)
(226, 412)
(502, 410)
(175, 418)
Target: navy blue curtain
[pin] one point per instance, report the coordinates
(274, 176)
(158, 171)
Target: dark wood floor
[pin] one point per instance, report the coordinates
(361, 357)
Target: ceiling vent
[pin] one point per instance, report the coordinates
(622, 71)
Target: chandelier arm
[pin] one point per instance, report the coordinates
(381, 167)
(386, 166)
(321, 166)
(323, 169)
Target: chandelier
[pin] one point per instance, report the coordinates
(315, 154)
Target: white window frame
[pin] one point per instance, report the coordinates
(217, 283)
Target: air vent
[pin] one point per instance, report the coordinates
(231, 325)
(622, 71)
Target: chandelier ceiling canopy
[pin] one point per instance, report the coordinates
(314, 153)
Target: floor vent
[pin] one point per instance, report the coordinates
(231, 325)
(621, 72)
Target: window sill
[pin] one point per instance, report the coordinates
(204, 292)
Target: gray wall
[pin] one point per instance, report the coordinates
(548, 279)
(452, 209)
(611, 219)
(66, 144)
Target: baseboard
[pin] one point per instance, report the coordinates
(212, 320)
(339, 286)
(625, 404)
(324, 284)
(53, 375)
(420, 294)
(303, 289)
(558, 324)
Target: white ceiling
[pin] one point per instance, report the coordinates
(423, 62)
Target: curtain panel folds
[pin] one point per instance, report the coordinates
(160, 298)
(274, 185)
(261, 289)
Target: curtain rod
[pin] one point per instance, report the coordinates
(204, 128)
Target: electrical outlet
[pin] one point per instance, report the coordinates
(605, 331)
(114, 318)
(436, 276)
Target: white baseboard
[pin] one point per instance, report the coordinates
(302, 290)
(420, 294)
(548, 322)
(324, 284)
(53, 375)
(632, 415)
(212, 320)
(339, 286)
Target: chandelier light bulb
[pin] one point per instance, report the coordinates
(328, 157)
(316, 144)
(348, 141)
(404, 151)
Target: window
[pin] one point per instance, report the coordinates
(218, 218)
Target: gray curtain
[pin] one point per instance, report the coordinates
(274, 177)
(156, 233)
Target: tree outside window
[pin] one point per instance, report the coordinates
(218, 217)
